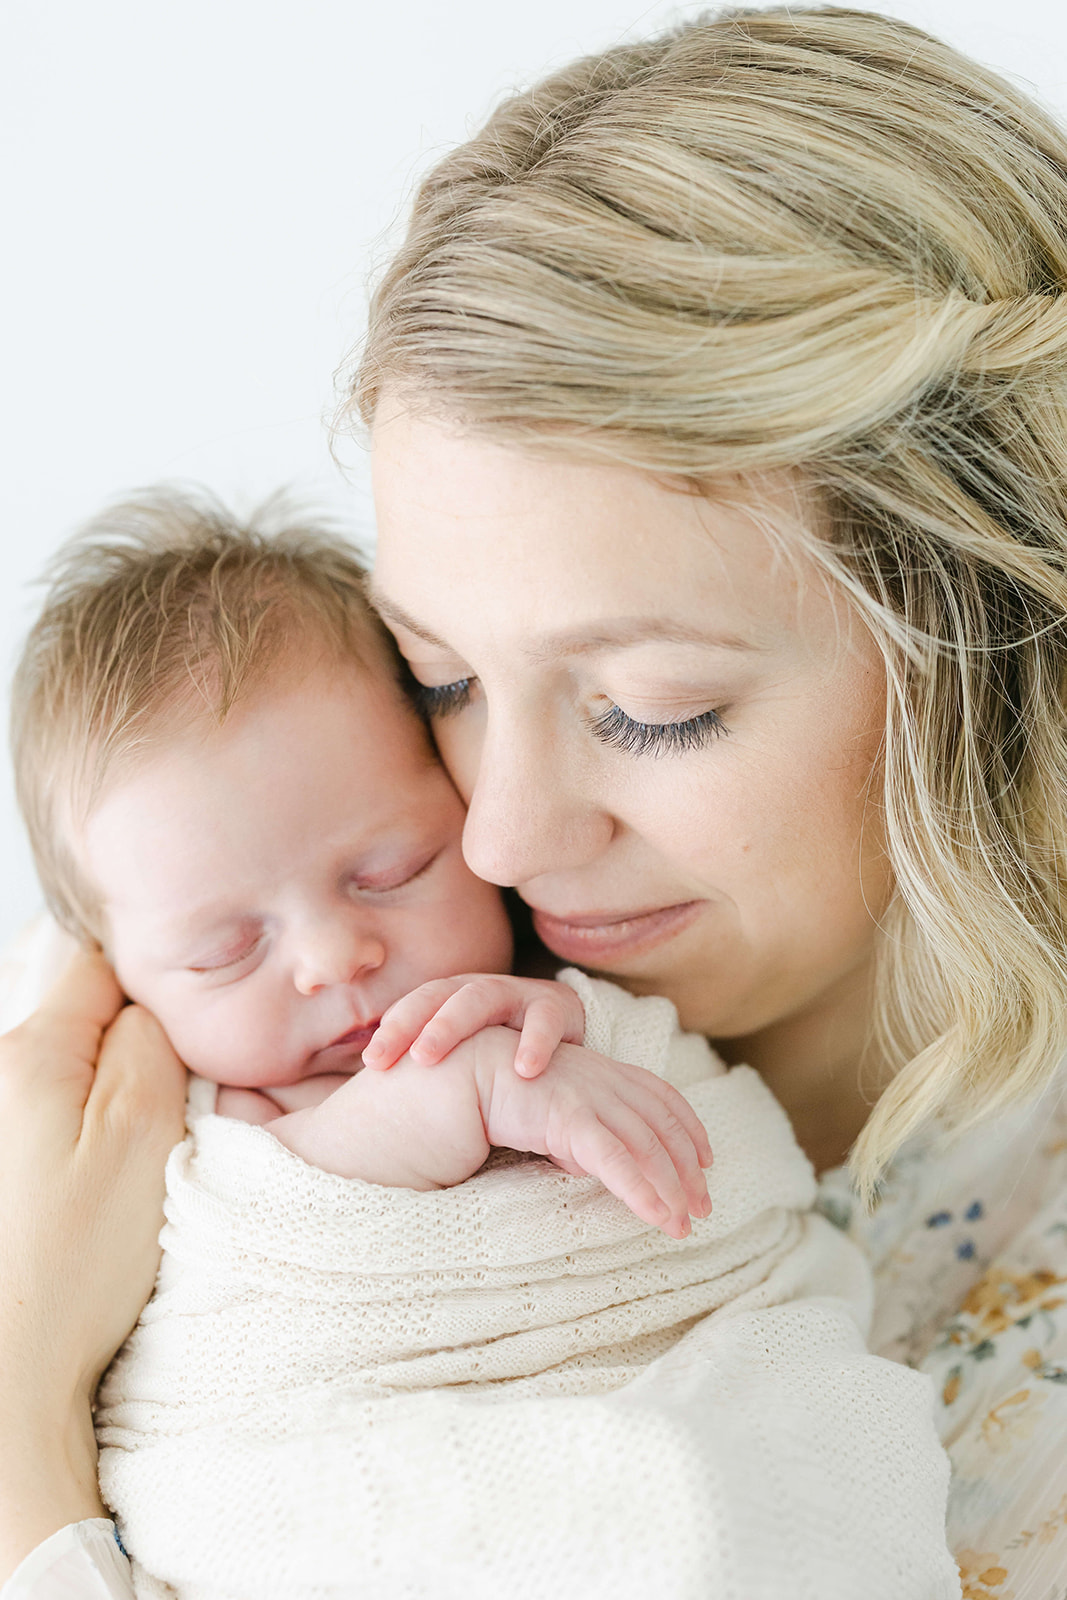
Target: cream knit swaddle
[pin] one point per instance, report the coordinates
(512, 1387)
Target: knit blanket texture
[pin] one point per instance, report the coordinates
(515, 1386)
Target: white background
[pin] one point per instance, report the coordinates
(193, 195)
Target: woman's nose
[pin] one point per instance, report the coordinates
(336, 950)
(529, 814)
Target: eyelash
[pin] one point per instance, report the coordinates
(226, 966)
(612, 727)
(402, 883)
(441, 700)
(385, 888)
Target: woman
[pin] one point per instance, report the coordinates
(718, 402)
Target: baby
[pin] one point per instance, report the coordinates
(226, 786)
(377, 1320)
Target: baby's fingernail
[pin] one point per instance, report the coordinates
(685, 1228)
(704, 1208)
(661, 1211)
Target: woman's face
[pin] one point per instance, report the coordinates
(667, 730)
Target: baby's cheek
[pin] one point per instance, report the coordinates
(479, 937)
(225, 1038)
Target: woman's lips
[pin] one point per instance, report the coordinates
(590, 938)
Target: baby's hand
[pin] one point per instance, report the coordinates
(432, 1020)
(616, 1122)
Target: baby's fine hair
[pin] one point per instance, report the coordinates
(164, 611)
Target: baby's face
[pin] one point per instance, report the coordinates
(270, 887)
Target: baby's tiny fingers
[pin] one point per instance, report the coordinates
(599, 1151)
(478, 1003)
(662, 1114)
(653, 1162)
(679, 1108)
(404, 1021)
(545, 1026)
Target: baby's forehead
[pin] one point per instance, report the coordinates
(321, 744)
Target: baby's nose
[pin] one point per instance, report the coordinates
(338, 952)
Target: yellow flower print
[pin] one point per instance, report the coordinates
(1046, 1531)
(1012, 1420)
(982, 1576)
(1001, 1298)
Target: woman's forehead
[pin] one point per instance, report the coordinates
(583, 556)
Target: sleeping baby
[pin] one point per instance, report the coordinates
(426, 1208)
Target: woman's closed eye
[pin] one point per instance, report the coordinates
(614, 727)
(442, 699)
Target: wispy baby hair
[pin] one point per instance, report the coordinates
(163, 610)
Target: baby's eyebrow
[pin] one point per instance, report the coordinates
(598, 635)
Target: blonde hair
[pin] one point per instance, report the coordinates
(165, 610)
(818, 240)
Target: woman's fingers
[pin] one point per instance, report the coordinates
(55, 1049)
(140, 1080)
(87, 992)
(134, 1116)
(83, 1144)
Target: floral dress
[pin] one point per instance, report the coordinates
(968, 1242)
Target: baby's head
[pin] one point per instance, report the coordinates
(227, 788)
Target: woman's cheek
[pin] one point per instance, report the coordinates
(459, 743)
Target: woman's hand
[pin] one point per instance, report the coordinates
(91, 1101)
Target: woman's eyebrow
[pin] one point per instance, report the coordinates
(620, 631)
(390, 612)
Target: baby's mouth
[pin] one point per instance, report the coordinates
(355, 1041)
